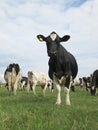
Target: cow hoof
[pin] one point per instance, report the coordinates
(68, 104)
(58, 103)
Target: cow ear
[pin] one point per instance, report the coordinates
(41, 38)
(65, 38)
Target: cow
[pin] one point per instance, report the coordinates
(24, 82)
(12, 77)
(63, 67)
(36, 79)
(94, 82)
(85, 82)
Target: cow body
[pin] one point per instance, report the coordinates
(94, 82)
(12, 77)
(62, 64)
(36, 79)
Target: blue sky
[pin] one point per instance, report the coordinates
(22, 20)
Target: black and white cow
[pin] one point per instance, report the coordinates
(94, 82)
(62, 64)
(85, 82)
(12, 77)
(24, 82)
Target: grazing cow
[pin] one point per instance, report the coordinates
(12, 77)
(94, 83)
(77, 81)
(36, 79)
(85, 82)
(62, 64)
(24, 82)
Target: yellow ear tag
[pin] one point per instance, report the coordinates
(40, 39)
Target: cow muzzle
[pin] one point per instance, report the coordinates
(54, 53)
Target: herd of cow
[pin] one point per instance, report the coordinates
(14, 79)
(62, 71)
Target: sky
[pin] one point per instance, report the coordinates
(22, 20)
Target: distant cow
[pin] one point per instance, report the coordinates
(62, 64)
(23, 83)
(36, 79)
(85, 82)
(94, 82)
(12, 77)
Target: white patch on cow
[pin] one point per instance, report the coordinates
(71, 82)
(93, 87)
(62, 80)
(67, 96)
(67, 90)
(58, 102)
(18, 79)
(88, 84)
(53, 36)
(55, 81)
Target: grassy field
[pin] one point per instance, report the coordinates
(28, 112)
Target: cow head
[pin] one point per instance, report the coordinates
(53, 42)
(30, 74)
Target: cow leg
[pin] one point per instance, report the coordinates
(67, 96)
(58, 102)
(44, 90)
(15, 88)
(9, 89)
(67, 89)
(28, 87)
(33, 88)
(22, 85)
(9, 86)
(55, 81)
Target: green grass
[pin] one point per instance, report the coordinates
(28, 112)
